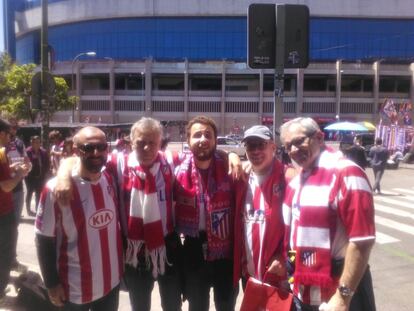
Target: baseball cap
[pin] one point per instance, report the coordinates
(259, 131)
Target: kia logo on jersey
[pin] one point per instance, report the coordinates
(101, 219)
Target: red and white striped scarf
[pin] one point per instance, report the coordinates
(259, 228)
(216, 198)
(147, 224)
(313, 195)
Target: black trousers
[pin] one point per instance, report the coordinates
(33, 186)
(200, 275)
(108, 302)
(8, 237)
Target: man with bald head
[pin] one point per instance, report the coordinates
(79, 245)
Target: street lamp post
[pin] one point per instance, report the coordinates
(91, 54)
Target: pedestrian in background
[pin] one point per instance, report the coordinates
(16, 152)
(356, 153)
(79, 246)
(55, 151)
(329, 216)
(11, 174)
(37, 177)
(378, 155)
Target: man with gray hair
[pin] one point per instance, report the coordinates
(329, 213)
(153, 245)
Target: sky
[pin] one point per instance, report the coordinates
(1, 27)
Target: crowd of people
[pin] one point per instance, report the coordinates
(192, 221)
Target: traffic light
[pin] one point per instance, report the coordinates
(292, 23)
(261, 23)
(285, 25)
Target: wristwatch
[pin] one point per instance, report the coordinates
(345, 291)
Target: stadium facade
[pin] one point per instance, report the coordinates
(173, 59)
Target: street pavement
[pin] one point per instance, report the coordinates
(392, 258)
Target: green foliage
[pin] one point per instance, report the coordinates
(15, 91)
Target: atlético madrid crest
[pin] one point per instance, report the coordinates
(220, 223)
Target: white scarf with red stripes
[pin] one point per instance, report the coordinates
(145, 224)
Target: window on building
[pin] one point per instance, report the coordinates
(205, 82)
(357, 84)
(242, 83)
(95, 81)
(318, 83)
(289, 83)
(168, 82)
(392, 84)
(403, 85)
(130, 81)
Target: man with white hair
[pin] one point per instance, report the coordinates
(329, 213)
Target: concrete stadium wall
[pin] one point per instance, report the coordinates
(81, 10)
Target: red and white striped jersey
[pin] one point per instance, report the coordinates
(337, 187)
(88, 238)
(255, 225)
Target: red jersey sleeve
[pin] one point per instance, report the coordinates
(355, 203)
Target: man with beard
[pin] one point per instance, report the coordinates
(204, 214)
(329, 213)
(259, 228)
(79, 246)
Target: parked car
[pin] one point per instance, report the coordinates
(227, 144)
(235, 137)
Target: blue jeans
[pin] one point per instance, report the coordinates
(140, 284)
(8, 237)
(108, 302)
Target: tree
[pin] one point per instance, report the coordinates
(15, 91)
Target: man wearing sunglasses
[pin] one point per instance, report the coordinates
(79, 245)
(329, 212)
(259, 223)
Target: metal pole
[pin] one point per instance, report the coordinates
(279, 72)
(73, 91)
(338, 89)
(44, 71)
(75, 107)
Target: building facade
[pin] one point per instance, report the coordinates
(173, 59)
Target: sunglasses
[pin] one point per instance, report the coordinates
(90, 148)
(259, 145)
